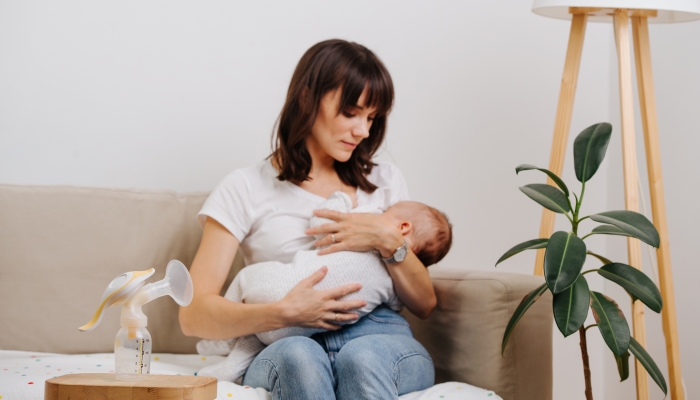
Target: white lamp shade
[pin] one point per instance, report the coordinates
(668, 10)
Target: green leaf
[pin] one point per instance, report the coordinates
(611, 323)
(635, 224)
(648, 364)
(524, 305)
(589, 150)
(555, 178)
(623, 365)
(609, 230)
(571, 306)
(598, 256)
(635, 282)
(529, 245)
(563, 260)
(548, 196)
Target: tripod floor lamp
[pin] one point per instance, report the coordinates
(641, 12)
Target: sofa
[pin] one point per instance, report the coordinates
(60, 246)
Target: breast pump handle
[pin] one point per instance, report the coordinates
(128, 289)
(176, 284)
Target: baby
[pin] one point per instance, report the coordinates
(430, 237)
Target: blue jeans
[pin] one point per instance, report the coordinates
(374, 358)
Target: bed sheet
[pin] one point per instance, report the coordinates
(22, 376)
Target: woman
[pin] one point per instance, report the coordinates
(333, 121)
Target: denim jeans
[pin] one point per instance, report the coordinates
(374, 358)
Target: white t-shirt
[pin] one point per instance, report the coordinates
(269, 216)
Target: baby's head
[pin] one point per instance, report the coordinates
(427, 231)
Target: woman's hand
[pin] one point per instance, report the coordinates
(311, 308)
(363, 232)
(356, 232)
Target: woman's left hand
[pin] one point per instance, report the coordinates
(356, 232)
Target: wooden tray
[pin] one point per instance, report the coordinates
(106, 387)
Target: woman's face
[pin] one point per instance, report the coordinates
(335, 135)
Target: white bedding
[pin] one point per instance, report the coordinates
(22, 376)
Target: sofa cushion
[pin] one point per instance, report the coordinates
(61, 246)
(464, 332)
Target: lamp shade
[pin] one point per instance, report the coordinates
(668, 10)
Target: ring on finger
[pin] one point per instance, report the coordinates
(333, 239)
(336, 317)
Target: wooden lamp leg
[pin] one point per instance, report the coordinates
(640, 29)
(562, 122)
(629, 161)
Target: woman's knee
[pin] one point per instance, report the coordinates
(399, 359)
(294, 352)
(293, 362)
(382, 348)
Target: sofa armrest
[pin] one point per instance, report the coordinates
(464, 333)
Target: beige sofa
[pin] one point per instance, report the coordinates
(61, 246)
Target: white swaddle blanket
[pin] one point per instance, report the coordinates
(268, 282)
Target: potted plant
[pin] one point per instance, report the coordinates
(566, 253)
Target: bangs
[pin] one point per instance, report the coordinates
(369, 76)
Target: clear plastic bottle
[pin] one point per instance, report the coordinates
(132, 353)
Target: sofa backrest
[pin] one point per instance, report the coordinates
(61, 246)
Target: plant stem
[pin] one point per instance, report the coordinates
(575, 221)
(586, 368)
(589, 271)
(580, 200)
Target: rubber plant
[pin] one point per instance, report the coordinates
(566, 253)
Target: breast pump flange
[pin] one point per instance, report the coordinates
(132, 345)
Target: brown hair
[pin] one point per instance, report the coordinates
(432, 235)
(327, 66)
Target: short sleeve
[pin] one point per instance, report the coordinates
(230, 205)
(397, 184)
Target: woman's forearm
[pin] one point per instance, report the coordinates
(211, 316)
(214, 317)
(413, 285)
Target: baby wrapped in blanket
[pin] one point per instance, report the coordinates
(429, 237)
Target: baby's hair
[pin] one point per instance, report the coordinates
(432, 234)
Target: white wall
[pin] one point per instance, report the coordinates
(175, 94)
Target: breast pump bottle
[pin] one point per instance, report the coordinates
(132, 346)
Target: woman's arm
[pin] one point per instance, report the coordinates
(211, 316)
(365, 232)
(413, 285)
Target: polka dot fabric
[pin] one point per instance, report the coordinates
(22, 376)
(452, 391)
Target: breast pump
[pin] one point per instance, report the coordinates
(132, 346)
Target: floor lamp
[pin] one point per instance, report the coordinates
(620, 12)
